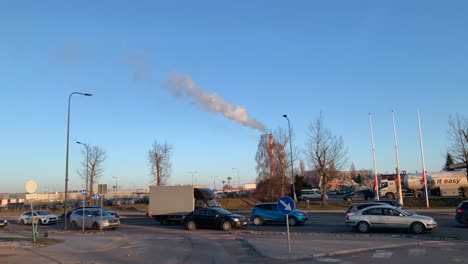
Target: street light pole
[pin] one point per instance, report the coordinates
(290, 149)
(87, 166)
(66, 159)
(115, 192)
(214, 182)
(192, 172)
(238, 181)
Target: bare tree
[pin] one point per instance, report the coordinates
(327, 153)
(92, 169)
(159, 157)
(458, 135)
(273, 184)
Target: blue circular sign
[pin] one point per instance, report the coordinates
(286, 205)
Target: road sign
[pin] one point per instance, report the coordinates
(95, 191)
(84, 192)
(286, 205)
(95, 196)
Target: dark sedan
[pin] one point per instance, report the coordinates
(360, 195)
(215, 217)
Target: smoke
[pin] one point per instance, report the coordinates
(184, 87)
(141, 65)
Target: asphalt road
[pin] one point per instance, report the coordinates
(332, 223)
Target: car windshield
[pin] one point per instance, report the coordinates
(222, 211)
(42, 213)
(408, 213)
(98, 212)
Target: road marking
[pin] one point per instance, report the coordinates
(382, 254)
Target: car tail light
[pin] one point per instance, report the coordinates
(461, 211)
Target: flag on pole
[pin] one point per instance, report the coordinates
(375, 182)
(424, 181)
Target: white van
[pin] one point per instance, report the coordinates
(310, 194)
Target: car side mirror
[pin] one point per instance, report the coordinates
(90, 216)
(402, 214)
(218, 216)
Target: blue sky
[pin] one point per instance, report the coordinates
(267, 57)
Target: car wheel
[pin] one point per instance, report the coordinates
(418, 195)
(417, 228)
(191, 225)
(257, 221)
(74, 226)
(363, 227)
(226, 225)
(95, 226)
(390, 196)
(22, 222)
(292, 221)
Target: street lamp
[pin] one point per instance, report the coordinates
(66, 160)
(290, 149)
(87, 165)
(115, 192)
(238, 181)
(192, 172)
(214, 182)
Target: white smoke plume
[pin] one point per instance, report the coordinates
(184, 87)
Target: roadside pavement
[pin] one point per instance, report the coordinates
(274, 246)
(306, 246)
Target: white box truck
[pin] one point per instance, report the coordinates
(170, 204)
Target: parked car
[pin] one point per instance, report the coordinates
(116, 214)
(45, 217)
(461, 214)
(310, 194)
(3, 222)
(268, 212)
(214, 217)
(367, 194)
(384, 216)
(93, 219)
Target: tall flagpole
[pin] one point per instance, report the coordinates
(423, 165)
(397, 160)
(376, 182)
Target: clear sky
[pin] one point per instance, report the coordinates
(208, 76)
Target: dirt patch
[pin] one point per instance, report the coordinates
(21, 242)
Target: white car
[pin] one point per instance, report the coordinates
(45, 218)
(311, 194)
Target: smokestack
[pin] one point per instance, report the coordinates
(271, 154)
(183, 86)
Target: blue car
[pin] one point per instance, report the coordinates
(268, 212)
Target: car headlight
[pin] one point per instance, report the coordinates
(236, 219)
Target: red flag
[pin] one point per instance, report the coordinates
(375, 183)
(424, 177)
